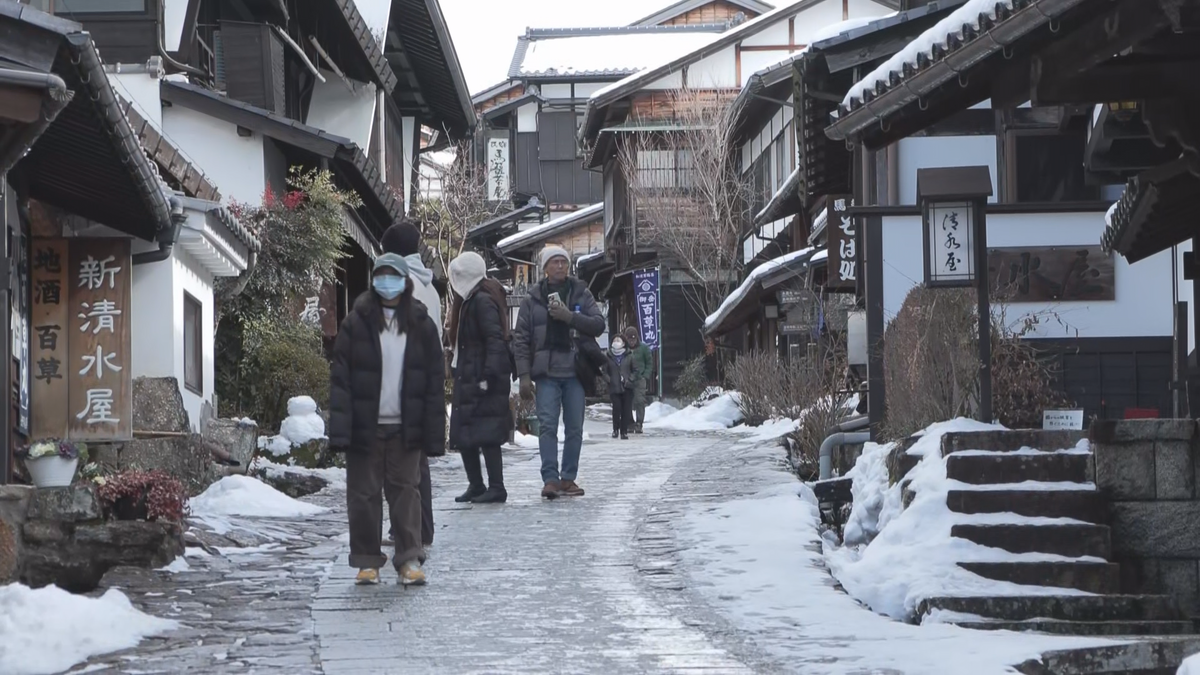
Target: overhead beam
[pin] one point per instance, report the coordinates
(1104, 36)
(1117, 82)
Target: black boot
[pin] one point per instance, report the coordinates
(496, 494)
(470, 460)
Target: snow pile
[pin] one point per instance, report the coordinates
(761, 569)
(335, 475)
(716, 414)
(913, 556)
(658, 410)
(49, 630)
(244, 496)
(1190, 666)
(301, 426)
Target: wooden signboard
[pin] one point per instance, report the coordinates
(1052, 274)
(794, 328)
(842, 238)
(48, 338)
(99, 380)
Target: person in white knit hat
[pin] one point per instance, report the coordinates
(553, 317)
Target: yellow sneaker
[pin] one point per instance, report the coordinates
(367, 577)
(411, 574)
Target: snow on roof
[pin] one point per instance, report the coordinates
(531, 235)
(588, 257)
(819, 224)
(937, 36)
(823, 254)
(749, 28)
(734, 298)
(789, 184)
(605, 54)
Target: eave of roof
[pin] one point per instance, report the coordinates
(167, 156)
(357, 169)
(684, 6)
(227, 218)
(509, 106)
(16, 139)
(371, 55)
(503, 219)
(103, 166)
(493, 91)
(785, 202)
(426, 43)
(1156, 211)
(552, 228)
(733, 306)
(516, 68)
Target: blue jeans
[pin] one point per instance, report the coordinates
(555, 395)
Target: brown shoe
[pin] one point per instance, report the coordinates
(551, 490)
(571, 489)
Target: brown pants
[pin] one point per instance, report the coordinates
(389, 466)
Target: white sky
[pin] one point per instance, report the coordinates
(485, 32)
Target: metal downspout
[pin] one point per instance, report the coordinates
(843, 433)
(166, 238)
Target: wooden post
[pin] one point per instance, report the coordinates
(983, 288)
(872, 255)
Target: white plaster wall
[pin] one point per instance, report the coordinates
(940, 151)
(174, 16)
(191, 278)
(338, 110)
(753, 62)
(775, 34)
(375, 14)
(233, 163)
(556, 90)
(818, 17)
(586, 89)
(717, 70)
(670, 81)
(1141, 307)
(143, 91)
(527, 118)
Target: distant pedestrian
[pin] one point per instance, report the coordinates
(480, 416)
(404, 239)
(643, 367)
(387, 411)
(553, 316)
(619, 376)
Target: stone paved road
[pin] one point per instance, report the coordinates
(584, 585)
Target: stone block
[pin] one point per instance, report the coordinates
(10, 550)
(1010, 440)
(1173, 471)
(184, 457)
(38, 532)
(1126, 431)
(1125, 471)
(77, 563)
(293, 483)
(67, 505)
(235, 438)
(1180, 579)
(158, 405)
(1156, 529)
(14, 505)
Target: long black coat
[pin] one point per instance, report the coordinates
(355, 381)
(480, 418)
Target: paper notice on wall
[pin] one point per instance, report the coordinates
(1062, 420)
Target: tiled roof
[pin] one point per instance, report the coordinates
(611, 52)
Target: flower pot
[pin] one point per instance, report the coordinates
(51, 471)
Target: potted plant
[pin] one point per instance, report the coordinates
(51, 462)
(143, 495)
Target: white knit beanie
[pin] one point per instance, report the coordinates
(466, 272)
(551, 252)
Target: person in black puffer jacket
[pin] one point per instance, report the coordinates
(480, 416)
(386, 410)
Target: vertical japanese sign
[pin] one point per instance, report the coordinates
(842, 238)
(497, 168)
(645, 287)
(951, 244)
(99, 378)
(48, 339)
(20, 329)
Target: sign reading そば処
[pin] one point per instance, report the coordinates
(80, 342)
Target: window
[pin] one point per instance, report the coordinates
(664, 169)
(1045, 165)
(70, 7)
(193, 345)
(781, 170)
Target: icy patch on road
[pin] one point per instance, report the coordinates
(244, 496)
(910, 555)
(49, 630)
(758, 561)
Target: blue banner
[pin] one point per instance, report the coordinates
(645, 288)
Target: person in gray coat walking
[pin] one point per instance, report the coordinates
(556, 314)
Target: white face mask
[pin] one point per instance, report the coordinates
(618, 345)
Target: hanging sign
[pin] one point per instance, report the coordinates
(842, 239)
(645, 288)
(497, 169)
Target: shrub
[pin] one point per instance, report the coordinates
(281, 358)
(931, 365)
(693, 380)
(153, 495)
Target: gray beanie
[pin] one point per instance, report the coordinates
(466, 272)
(551, 252)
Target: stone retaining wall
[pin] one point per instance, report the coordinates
(1147, 469)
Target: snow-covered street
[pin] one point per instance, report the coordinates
(693, 551)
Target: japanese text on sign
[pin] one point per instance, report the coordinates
(842, 237)
(951, 245)
(645, 285)
(48, 340)
(497, 169)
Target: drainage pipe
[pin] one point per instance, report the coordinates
(844, 433)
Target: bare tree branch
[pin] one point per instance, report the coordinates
(690, 203)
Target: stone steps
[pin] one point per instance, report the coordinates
(1017, 468)
(1151, 657)
(1091, 577)
(1072, 541)
(1088, 608)
(1107, 628)
(1011, 441)
(1085, 505)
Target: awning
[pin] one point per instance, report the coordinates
(88, 161)
(540, 233)
(744, 301)
(785, 202)
(1157, 211)
(497, 224)
(348, 162)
